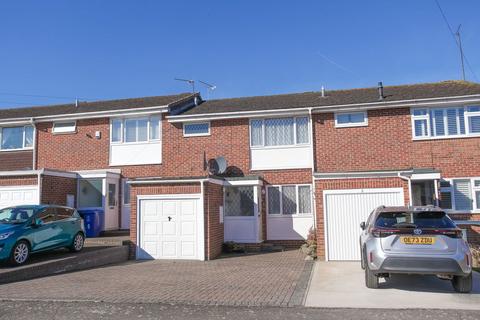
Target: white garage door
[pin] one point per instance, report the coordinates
(171, 228)
(345, 210)
(18, 195)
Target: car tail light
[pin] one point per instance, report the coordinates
(382, 233)
(455, 233)
(370, 256)
(467, 259)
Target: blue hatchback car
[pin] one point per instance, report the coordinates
(35, 228)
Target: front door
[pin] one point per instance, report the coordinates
(241, 214)
(111, 204)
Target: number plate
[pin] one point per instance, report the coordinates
(418, 240)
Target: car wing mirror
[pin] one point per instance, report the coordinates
(37, 223)
(363, 225)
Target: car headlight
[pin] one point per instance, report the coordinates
(5, 235)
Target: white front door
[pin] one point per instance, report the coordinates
(170, 227)
(111, 204)
(242, 222)
(345, 210)
(18, 195)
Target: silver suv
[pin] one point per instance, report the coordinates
(414, 240)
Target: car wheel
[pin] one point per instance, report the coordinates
(462, 284)
(20, 253)
(78, 242)
(371, 280)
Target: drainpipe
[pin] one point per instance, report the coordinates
(314, 205)
(39, 186)
(407, 178)
(205, 226)
(34, 160)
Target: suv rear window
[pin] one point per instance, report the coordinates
(420, 219)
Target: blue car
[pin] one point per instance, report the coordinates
(36, 228)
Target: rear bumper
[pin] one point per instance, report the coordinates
(422, 266)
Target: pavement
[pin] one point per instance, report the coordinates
(23, 310)
(342, 285)
(268, 279)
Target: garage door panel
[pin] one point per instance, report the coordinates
(172, 225)
(18, 195)
(345, 209)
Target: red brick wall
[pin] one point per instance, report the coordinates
(19, 181)
(213, 199)
(386, 143)
(16, 160)
(55, 189)
(322, 185)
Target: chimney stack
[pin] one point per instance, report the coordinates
(381, 96)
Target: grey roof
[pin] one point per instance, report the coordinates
(94, 106)
(338, 97)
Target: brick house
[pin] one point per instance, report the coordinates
(295, 162)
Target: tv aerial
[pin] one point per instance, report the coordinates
(189, 81)
(210, 87)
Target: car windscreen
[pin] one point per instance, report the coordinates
(417, 219)
(16, 214)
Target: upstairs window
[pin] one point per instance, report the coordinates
(196, 129)
(64, 127)
(16, 138)
(274, 132)
(351, 119)
(445, 122)
(135, 130)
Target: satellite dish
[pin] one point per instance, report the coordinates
(217, 165)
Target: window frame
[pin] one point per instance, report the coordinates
(123, 128)
(351, 124)
(23, 138)
(65, 132)
(451, 190)
(297, 213)
(467, 115)
(196, 134)
(295, 143)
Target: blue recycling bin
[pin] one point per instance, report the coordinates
(94, 222)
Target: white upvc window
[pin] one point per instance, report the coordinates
(196, 129)
(277, 132)
(16, 138)
(64, 127)
(135, 130)
(460, 194)
(447, 122)
(289, 200)
(351, 119)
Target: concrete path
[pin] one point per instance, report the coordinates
(342, 285)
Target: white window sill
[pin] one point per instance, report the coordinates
(135, 143)
(352, 125)
(196, 135)
(293, 146)
(12, 150)
(286, 216)
(446, 137)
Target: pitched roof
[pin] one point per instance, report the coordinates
(338, 97)
(94, 106)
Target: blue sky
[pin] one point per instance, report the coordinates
(115, 49)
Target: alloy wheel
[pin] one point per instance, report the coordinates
(20, 254)
(78, 242)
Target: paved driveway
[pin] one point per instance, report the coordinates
(342, 285)
(276, 279)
